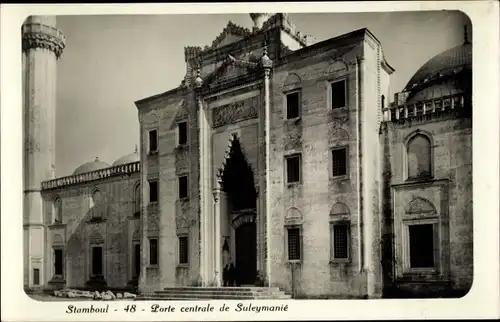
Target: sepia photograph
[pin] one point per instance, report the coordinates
(149, 174)
(262, 157)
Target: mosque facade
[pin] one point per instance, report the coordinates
(278, 155)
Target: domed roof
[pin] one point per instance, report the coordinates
(91, 166)
(129, 158)
(449, 61)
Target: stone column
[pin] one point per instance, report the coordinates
(218, 236)
(267, 65)
(198, 82)
(42, 45)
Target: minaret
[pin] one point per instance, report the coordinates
(42, 45)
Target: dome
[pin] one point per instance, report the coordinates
(129, 158)
(91, 166)
(449, 61)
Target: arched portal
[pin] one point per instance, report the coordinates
(238, 184)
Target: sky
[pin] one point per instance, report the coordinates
(112, 61)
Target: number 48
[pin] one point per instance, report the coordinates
(130, 308)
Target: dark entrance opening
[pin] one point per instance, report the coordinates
(246, 255)
(97, 261)
(137, 260)
(238, 183)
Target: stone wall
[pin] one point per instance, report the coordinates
(173, 216)
(452, 177)
(313, 136)
(116, 206)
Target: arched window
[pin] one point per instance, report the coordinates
(96, 204)
(137, 200)
(419, 156)
(57, 217)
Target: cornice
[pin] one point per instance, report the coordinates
(35, 35)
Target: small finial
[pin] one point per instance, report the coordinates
(136, 149)
(96, 158)
(198, 81)
(265, 61)
(466, 36)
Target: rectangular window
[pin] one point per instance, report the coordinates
(338, 96)
(153, 191)
(182, 133)
(36, 276)
(97, 261)
(421, 246)
(340, 241)
(339, 162)
(153, 141)
(58, 262)
(153, 251)
(293, 169)
(293, 244)
(292, 105)
(183, 187)
(183, 250)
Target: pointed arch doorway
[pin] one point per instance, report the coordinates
(237, 181)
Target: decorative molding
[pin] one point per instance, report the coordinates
(120, 170)
(292, 138)
(231, 29)
(42, 36)
(234, 113)
(420, 206)
(96, 238)
(181, 159)
(337, 135)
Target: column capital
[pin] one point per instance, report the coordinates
(39, 35)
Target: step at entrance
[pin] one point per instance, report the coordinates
(216, 293)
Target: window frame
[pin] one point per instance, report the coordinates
(153, 151)
(180, 261)
(330, 94)
(405, 147)
(298, 91)
(287, 158)
(36, 281)
(150, 181)
(186, 197)
(179, 133)
(347, 224)
(57, 217)
(407, 269)
(150, 263)
(300, 243)
(347, 159)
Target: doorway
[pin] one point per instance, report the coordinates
(238, 184)
(246, 253)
